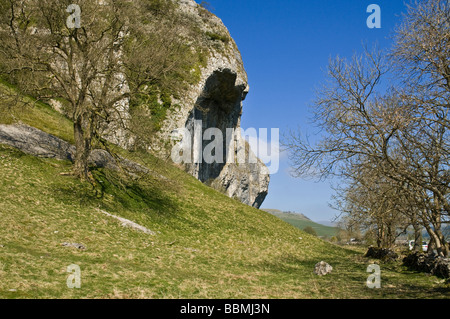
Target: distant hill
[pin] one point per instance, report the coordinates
(280, 213)
(445, 231)
(327, 223)
(301, 221)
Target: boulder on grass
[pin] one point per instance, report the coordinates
(441, 267)
(429, 263)
(322, 268)
(384, 254)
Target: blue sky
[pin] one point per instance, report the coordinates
(286, 46)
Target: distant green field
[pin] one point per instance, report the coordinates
(300, 221)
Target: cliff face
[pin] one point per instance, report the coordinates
(216, 101)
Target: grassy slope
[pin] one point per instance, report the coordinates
(301, 223)
(207, 246)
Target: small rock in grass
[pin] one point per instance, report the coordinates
(78, 246)
(322, 269)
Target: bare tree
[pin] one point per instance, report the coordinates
(81, 65)
(374, 203)
(119, 53)
(422, 55)
(404, 143)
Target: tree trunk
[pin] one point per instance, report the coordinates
(439, 237)
(437, 242)
(83, 150)
(443, 251)
(431, 244)
(417, 237)
(437, 223)
(390, 236)
(379, 238)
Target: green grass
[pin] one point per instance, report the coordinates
(321, 230)
(207, 245)
(17, 108)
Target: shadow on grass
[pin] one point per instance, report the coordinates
(288, 263)
(115, 193)
(393, 290)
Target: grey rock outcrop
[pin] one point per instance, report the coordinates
(35, 142)
(128, 223)
(429, 263)
(384, 254)
(216, 100)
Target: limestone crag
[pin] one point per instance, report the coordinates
(216, 101)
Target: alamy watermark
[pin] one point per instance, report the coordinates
(74, 279)
(374, 20)
(74, 20)
(374, 280)
(232, 146)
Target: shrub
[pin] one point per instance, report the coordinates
(218, 37)
(310, 230)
